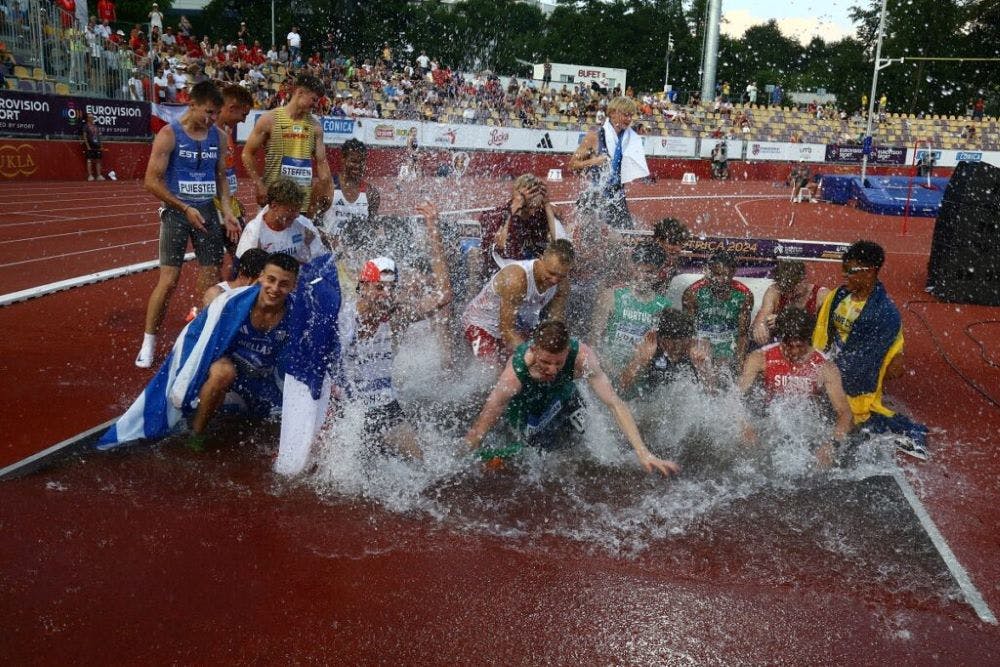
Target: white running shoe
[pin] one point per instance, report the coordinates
(908, 446)
(145, 358)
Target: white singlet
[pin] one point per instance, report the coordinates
(341, 210)
(367, 361)
(301, 239)
(484, 310)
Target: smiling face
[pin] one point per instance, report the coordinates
(859, 278)
(275, 285)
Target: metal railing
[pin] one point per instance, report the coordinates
(57, 51)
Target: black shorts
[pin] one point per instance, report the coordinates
(93, 153)
(175, 230)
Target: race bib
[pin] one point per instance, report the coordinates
(298, 169)
(231, 178)
(196, 190)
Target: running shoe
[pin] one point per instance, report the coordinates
(144, 359)
(910, 447)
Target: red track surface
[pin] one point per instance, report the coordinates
(155, 556)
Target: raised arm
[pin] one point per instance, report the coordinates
(506, 388)
(441, 295)
(588, 366)
(585, 155)
(259, 135)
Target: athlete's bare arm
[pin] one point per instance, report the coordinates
(752, 368)
(743, 329)
(761, 327)
(585, 154)
(323, 193)
(589, 366)
(557, 307)
(640, 359)
(229, 221)
(155, 180)
(599, 321)
(830, 380)
(511, 286)
(441, 295)
(259, 136)
(506, 388)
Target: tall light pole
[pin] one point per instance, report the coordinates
(666, 74)
(274, 45)
(869, 143)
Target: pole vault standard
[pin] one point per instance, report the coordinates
(711, 53)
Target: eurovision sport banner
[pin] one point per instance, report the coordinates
(34, 115)
(854, 152)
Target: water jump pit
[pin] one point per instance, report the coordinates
(888, 195)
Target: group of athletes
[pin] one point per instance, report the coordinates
(548, 306)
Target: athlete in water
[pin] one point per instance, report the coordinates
(538, 396)
(356, 202)
(671, 235)
(721, 308)
(279, 227)
(624, 314)
(293, 142)
(370, 327)
(664, 354)
(249, 366)
(186, 171)
(792, 367)
(251, 265)
(497, 320)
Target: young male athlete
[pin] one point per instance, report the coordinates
(790, 288)
(663, 354)
(671, 235)
(721, 308)
(293, 142)
(624, 314)
(860, 328)
(510, 304)
(251, 265)
(186, 171)
(792, 367)
(236, 104)
(279, 227)
(537, 394)
(355, 201)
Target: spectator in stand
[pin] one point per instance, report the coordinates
(184, 26)
(978, 109)
(243, 32)
(294, 40)
(423, 64)
(751, 96)
(156, 19)
(106, 11)
(136, 88)
(777, 95)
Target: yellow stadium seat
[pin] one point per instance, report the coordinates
(21, 72)
(38, 74)
(62, 88)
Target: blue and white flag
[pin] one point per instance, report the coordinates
(173, 391)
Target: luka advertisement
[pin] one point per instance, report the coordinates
(40, 116)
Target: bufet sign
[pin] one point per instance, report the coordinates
(17, 160)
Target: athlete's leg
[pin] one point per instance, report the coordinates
(221, 375)
(160, 297)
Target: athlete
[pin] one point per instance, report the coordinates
(371, 326)
(294, 148)
(537, 394)
(624, 314)
(790, 288)
(236, 104)
(612, 155)
(511, 302)
(792, 367)
(186, 171)
(355, 201)
(249, 366)
(663, 355)
(280, 228)
(251, 265)
(671, 235)
(721, 307)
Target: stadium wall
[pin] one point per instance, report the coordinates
(35, 160)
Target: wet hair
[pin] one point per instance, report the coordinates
(623, 104)
(284, 261)
(794, 324)
(237, 93)
(206, 92)
(353, 146)
(311, 83)
(866, 253)
(526, 181)
(674, 324)
(284, 191)
(671, 230)
(252, 262)
(789, 272)
(723, 258)
(562, 249)
(648, 253)
(551, 336)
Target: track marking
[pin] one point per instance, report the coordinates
(81, 252)
(77, 233)
(77, 218)
(972, 594)
(33, 462)
(107, 274)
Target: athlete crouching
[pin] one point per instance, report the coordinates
(537, 393)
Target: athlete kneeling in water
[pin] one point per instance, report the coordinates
(537, 393)
(792, 367)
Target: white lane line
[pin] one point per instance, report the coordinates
(80, 252)
(78, 233)
(66, 218)
(972, 594)
(30, 463)
(107, 274)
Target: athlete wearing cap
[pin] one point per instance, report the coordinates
(369, 327)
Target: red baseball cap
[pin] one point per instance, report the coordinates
(378, 270)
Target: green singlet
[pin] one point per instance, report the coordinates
(538, 403)
(630, 319)
(718, 321)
